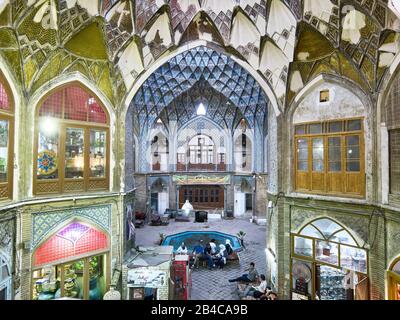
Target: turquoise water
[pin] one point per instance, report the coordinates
(191, 238)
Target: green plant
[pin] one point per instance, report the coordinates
(241, 234)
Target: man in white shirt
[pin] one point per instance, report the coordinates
(255, 291)
(182, 249)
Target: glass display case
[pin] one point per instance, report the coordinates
(97, 153)
(74, 153)
(329, 283)
(4, 136)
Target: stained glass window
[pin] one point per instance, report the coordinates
(72, 142)
(75, 240)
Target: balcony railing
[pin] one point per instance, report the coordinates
(184, 167)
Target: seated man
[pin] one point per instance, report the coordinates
(182, 249)
(208, 256)
(255, 291)
(197, 253)
(251, 276)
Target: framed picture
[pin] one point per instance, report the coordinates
(136, 293)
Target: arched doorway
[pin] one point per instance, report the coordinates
(243, 198)
(5, 279)
(159, 152)
(72, 263)
(159, 195)
(243, 153)
(393, 280)
(327, 263)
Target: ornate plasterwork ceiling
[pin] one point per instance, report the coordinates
(112, 42)
(195, 74)
(218, 107)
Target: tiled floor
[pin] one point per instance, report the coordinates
(214, 285)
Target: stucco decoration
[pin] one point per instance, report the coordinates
(353, 22)
(388, 50)
(46, 14)
(218, 107)
(130, 63)
(92, 7)
(3, 5)
(282, 27)
(221, 12)
(145, 10)
(202, 28)
(182, 72)
(182, 13)
(119, 25)
(324, 16)
(43, 223)
(257, 12)
(157, 39)
(274, 65)
(246, 38)
(360, 41)
(356, 225)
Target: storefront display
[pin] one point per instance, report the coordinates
(60, 273)
(327, 263)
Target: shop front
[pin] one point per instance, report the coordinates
(147, 274)
(393, 280)
(327, 263)
(73, 263)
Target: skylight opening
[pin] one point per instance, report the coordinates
(201, 110)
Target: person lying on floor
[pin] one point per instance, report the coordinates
(251, 276)
(256, 291)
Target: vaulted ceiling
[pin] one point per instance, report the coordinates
(112, 43)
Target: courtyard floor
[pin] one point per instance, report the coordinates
(213, 284)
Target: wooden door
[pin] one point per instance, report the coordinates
(202, 197)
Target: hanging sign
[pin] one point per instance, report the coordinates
(146, 278)
(201, 179)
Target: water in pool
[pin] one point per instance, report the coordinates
(191, 238)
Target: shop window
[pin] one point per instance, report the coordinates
(327, 263)
(6, 140)
(72, 143)
(330, 158)
(85, 278)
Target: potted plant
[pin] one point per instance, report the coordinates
(241, 235)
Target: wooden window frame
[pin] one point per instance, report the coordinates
(88, 183)
(6, 188)
(333, 183)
